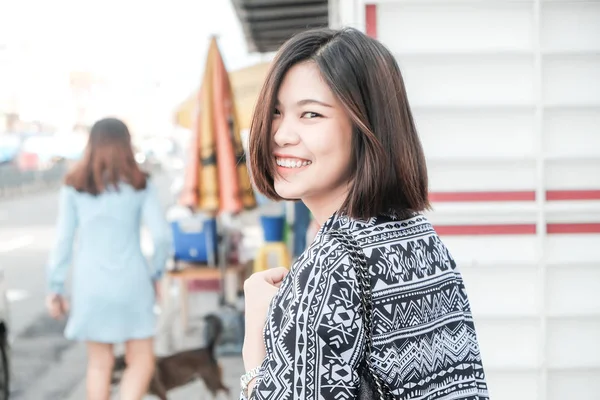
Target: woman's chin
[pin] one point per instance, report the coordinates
(288, 191)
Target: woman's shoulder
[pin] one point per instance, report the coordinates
(68, 191)
(122, 190)
(410, 247)
(387, 235)
(388, 226)
(383, 230)
(409, 237)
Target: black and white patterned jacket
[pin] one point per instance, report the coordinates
(424, 341)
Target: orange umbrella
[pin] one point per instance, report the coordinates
(245, 85)
(216, 178)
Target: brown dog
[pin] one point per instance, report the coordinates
(182, 368)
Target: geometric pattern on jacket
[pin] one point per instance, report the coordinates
(424, 341)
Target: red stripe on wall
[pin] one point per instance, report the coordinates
(481, 196)
(504, 229)
(371, 20)
(557, 195)
(573, 228)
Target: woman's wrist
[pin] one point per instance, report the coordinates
(253, 352)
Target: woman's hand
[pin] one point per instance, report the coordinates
(259, 290)
(57, 306)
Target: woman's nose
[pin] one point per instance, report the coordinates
(285, 134)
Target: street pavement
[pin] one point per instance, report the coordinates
(45, 366)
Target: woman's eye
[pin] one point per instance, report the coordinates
(276, 112)
(310, 115)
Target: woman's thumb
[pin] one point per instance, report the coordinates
(276, 275)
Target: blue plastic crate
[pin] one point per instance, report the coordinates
(273, 228)
(194, 238)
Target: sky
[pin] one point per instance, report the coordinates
(134, 44)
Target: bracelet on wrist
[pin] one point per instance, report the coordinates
(247, 378)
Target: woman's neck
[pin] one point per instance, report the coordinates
(325, 206)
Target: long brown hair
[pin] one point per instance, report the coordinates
(108, 160)
(388, 167)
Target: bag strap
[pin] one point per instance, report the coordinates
(359, 261)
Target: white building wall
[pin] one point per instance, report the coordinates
(506, 96)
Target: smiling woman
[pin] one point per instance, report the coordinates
(312, 139)
(322, 107)
(375, 307)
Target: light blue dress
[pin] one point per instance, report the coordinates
(112, 292)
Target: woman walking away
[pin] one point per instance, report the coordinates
(375, 308)
(105, 200)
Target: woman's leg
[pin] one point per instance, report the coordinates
(139, 357)
(99, 369)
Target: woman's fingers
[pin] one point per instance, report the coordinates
(275, 275)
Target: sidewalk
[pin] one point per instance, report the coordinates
(171, 335)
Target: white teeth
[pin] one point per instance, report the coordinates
(288, 163)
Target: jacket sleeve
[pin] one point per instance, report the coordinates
(154, 219)
(61, 254)
(317, 333)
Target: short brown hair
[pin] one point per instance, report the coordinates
(108, 160)
(389, 172)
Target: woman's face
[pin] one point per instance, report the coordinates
(312, 140)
